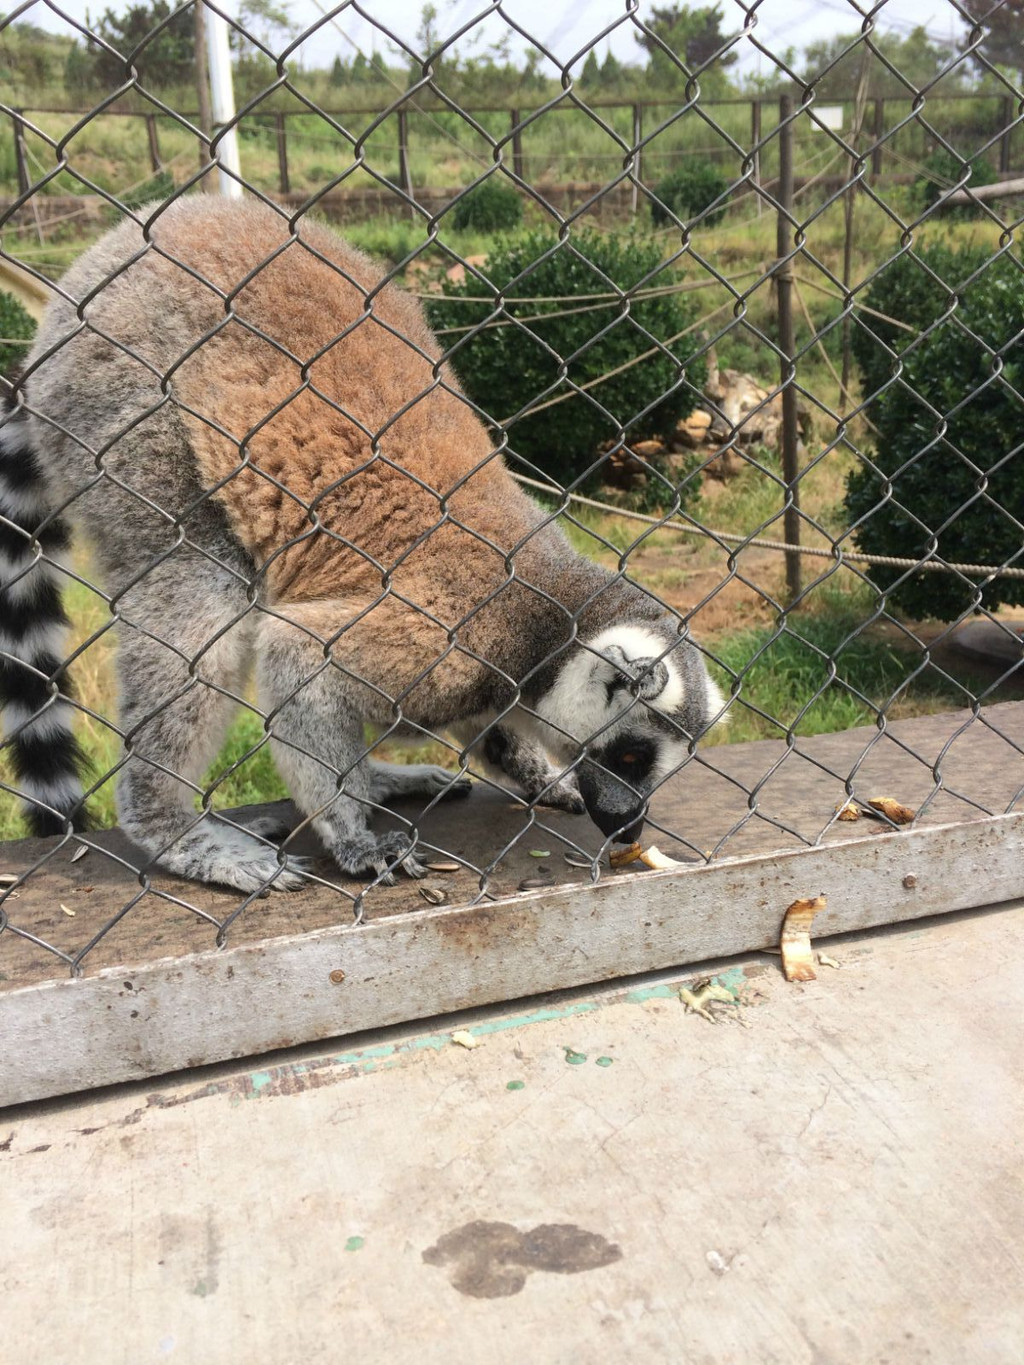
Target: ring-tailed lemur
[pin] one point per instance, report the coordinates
(275, 467)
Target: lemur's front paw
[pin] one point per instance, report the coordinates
(380, 854)
(563, 795)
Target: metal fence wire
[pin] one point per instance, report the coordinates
(242, 449)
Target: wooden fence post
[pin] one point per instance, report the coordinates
(404, 178)
(878, 128)
(282, 153)
(787, 347)
(154, 146)
(517, 144)
(755, 139)
(1005, 122)
(19, 153)
(638, 170)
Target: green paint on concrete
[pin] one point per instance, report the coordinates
(643, 993)
(385, 1055)
(516, 1085)
(732, 979)
(542, 1016)
(355, 1244)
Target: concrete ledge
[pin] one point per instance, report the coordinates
(155, 994)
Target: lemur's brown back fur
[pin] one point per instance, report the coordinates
(309, 432)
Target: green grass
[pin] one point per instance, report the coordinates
(827, 670)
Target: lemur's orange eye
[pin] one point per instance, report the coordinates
(628, 758)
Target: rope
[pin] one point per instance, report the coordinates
(842, 556)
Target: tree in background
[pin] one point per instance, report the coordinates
(271, 25)
(834, 64)
(695, 36)
(1003, 44)
(611, 68)
(166, 59)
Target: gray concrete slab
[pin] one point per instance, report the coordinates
(605, 1177)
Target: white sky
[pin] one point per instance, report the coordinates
(566, 26)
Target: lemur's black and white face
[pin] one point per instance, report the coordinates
(634, 697)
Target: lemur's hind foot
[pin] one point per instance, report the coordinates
(228, 857)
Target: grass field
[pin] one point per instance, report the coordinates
(783, 681)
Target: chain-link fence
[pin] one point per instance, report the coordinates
(664, 467)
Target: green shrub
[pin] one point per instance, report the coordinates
(503, 368)
(15, 322)
(159, 186)
(944, 169)
(963, 484)
(687, 191)
(491, 206)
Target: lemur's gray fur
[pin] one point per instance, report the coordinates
(227, 435)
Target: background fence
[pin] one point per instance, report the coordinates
(758, 358)
(286, 148)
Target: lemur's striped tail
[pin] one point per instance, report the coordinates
(38, 741)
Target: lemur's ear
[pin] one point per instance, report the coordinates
(647, 678)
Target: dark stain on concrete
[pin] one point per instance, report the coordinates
(492, 1260)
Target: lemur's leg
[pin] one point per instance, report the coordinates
(175, 722)
(318, 742)
(523, 760)
(395, 781)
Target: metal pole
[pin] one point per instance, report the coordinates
(787, 346)
(223, 101)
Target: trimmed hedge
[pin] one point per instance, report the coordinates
(964, 486)
(491, 206)
(503, 368)
(15, 322)
(943, 169)
(687, 191)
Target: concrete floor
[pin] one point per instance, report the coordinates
(606, 1177)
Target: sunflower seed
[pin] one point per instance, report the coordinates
(577, 862)
(79, 852)
(433, 894)
(67, 911)
(535, 883)
(443, 867)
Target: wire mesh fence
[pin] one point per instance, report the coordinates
(579, 509)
